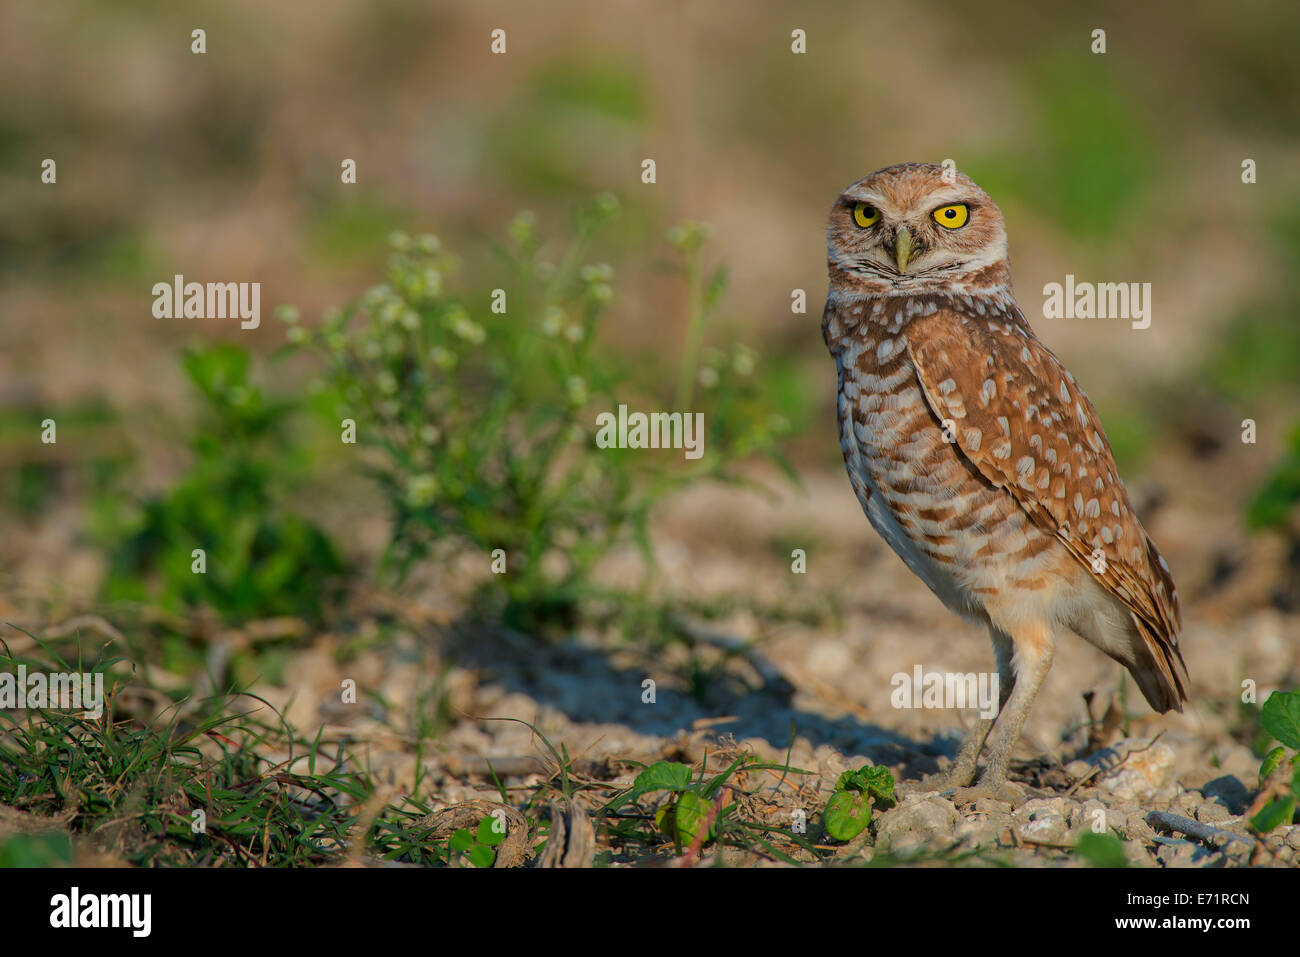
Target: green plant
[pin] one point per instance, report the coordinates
(478, 846)
(1279, 775)
(257, 558)
(48, 849)
(848, 812)
(204, 783)
(1276, 501)
(699, 811)
(1101, 850)
(483, 412)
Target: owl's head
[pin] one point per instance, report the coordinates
(913, 228)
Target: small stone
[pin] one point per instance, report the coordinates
(1042, 820)
(1045, 827)
(1078, 769)
(990, 806)
(1137, 829)
(1039, 806)
(1238, 853)
(831, 767)
(1167, 794)
(1093, 812)
(1293, 837)
(1140, 855)
(934, 817)
(1133, 771)
(977, 833)
(1177, 854)
(907, 844)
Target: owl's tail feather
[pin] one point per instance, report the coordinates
(1158, 668)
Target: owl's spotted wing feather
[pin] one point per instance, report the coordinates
(1020, 418)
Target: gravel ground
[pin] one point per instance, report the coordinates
(1177, 786)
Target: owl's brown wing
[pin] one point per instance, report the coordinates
(1020, 418)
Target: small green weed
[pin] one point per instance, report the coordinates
(1279, 775)
(1101, 850)
(258, 559)
(205, 783)
(848, 812)
(698, 812)
(1275, 503)
(478, 846)
(482, 411)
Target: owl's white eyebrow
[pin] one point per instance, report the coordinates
(871, 198)
(939, 200)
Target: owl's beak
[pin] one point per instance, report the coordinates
(902, 248)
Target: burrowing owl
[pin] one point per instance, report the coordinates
(977, 456)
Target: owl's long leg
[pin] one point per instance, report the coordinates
(1035, 646)
(962, 771)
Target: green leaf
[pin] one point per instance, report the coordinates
(481, 856)
(1281, 717)
(462, 840)
(872, 780)
(662, 776)
(1275, 813)
(1102, 850)
(879, 783)
(689, 817)
(488, 833)
(1270, 764)
(847, 814)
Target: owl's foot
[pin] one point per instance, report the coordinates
(962, 772)
(957, 776)
(996, 789)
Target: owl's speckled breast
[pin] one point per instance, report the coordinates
(962, 536)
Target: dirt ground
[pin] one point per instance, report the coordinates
(819, 696)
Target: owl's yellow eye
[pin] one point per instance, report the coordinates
(865, 215)
(952, 217)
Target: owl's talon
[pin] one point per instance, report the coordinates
(1006, 791)
(949, 780)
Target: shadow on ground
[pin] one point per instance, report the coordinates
(595, 685)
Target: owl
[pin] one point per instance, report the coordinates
(977, 456)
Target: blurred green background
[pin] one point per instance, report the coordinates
(225, 166)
